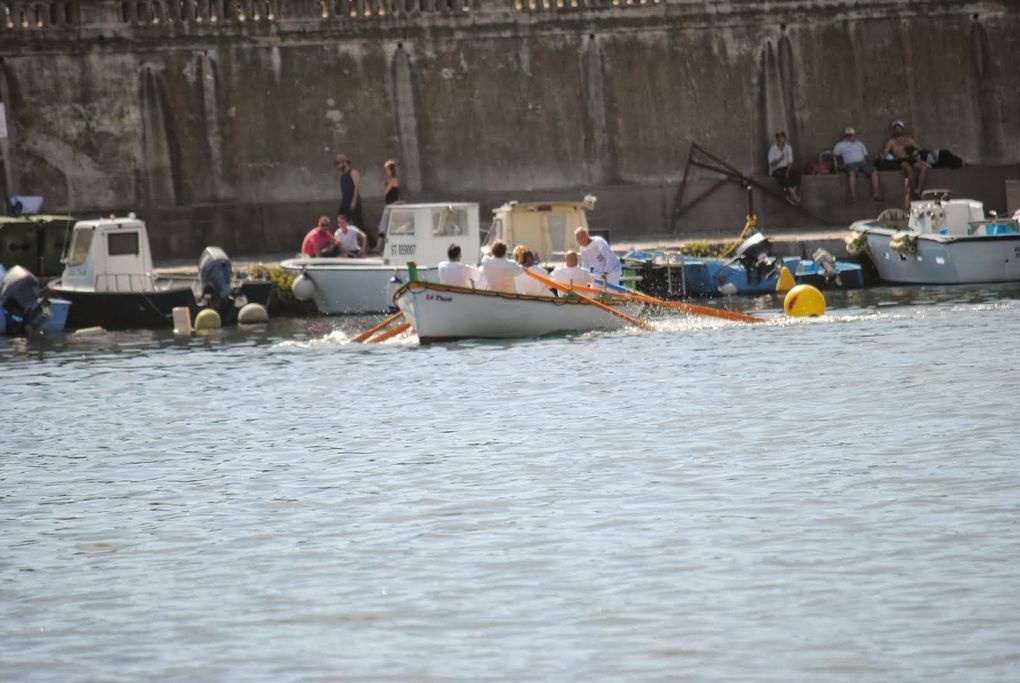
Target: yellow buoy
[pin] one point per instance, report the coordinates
(804, 300)
(786, 281)
(207, 319)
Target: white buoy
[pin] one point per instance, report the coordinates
(252, 314)
(303, 287)
(182, 321)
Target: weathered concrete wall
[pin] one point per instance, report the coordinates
(218, 129)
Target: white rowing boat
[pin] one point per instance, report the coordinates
(446, 313)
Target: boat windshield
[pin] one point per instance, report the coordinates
(448, 221)
(81, 242)
(401, 222)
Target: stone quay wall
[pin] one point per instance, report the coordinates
(217, 120)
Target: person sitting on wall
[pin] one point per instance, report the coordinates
(499, 271)
(902, 151)
(453, 272)
(598, 258)
(350, 239)
(570, 273)
(319, 241)
(854, 156)
(782, 169)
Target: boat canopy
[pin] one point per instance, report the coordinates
(547, 228)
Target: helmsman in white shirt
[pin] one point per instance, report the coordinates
(453, 272)
(598, 258)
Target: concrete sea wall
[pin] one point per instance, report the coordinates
(218, 120)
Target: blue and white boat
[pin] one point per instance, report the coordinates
(943, 241)
(751, 271)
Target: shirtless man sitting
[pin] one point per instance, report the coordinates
(905, 151)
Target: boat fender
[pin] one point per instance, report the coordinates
(392, 286)
(182, 321)
(303, 287)
(207, 319)
(252, 314)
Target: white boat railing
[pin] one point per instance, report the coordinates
(124, 282)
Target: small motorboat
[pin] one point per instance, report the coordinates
(942, 241)
(751, 271)
(23, 308)
(419, 232)
(108, 278)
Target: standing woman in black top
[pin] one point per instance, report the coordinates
(391, 190)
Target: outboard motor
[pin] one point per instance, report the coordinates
(20, 301)
(825, 261)
(754, 254)
(214, 275)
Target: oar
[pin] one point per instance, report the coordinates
(369, 332)
(556, 285)
(392, 332)
(677, 305)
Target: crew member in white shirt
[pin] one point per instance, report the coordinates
(499, 271)
(598, 258)
(453, 272)
(350, 238)
(525, 283)
(570, 273)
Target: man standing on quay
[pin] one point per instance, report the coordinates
(350, 191)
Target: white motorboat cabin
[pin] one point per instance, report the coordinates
(937, 214)
(423, 232)
(109, 255)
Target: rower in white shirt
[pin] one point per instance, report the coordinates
(453, 272)
(499, 271)
(525, 283)
(571, 274)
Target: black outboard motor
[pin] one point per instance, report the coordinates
(754, 254)
(214, 275)
(20, 301)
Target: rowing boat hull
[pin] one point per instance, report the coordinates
(444, 313)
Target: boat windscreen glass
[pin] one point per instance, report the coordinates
(81, 242)
(448, 221)
(122, 243)
(556, 225)
(401, 222)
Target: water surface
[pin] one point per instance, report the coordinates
(823, 499)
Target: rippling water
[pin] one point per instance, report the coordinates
(825, 499)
